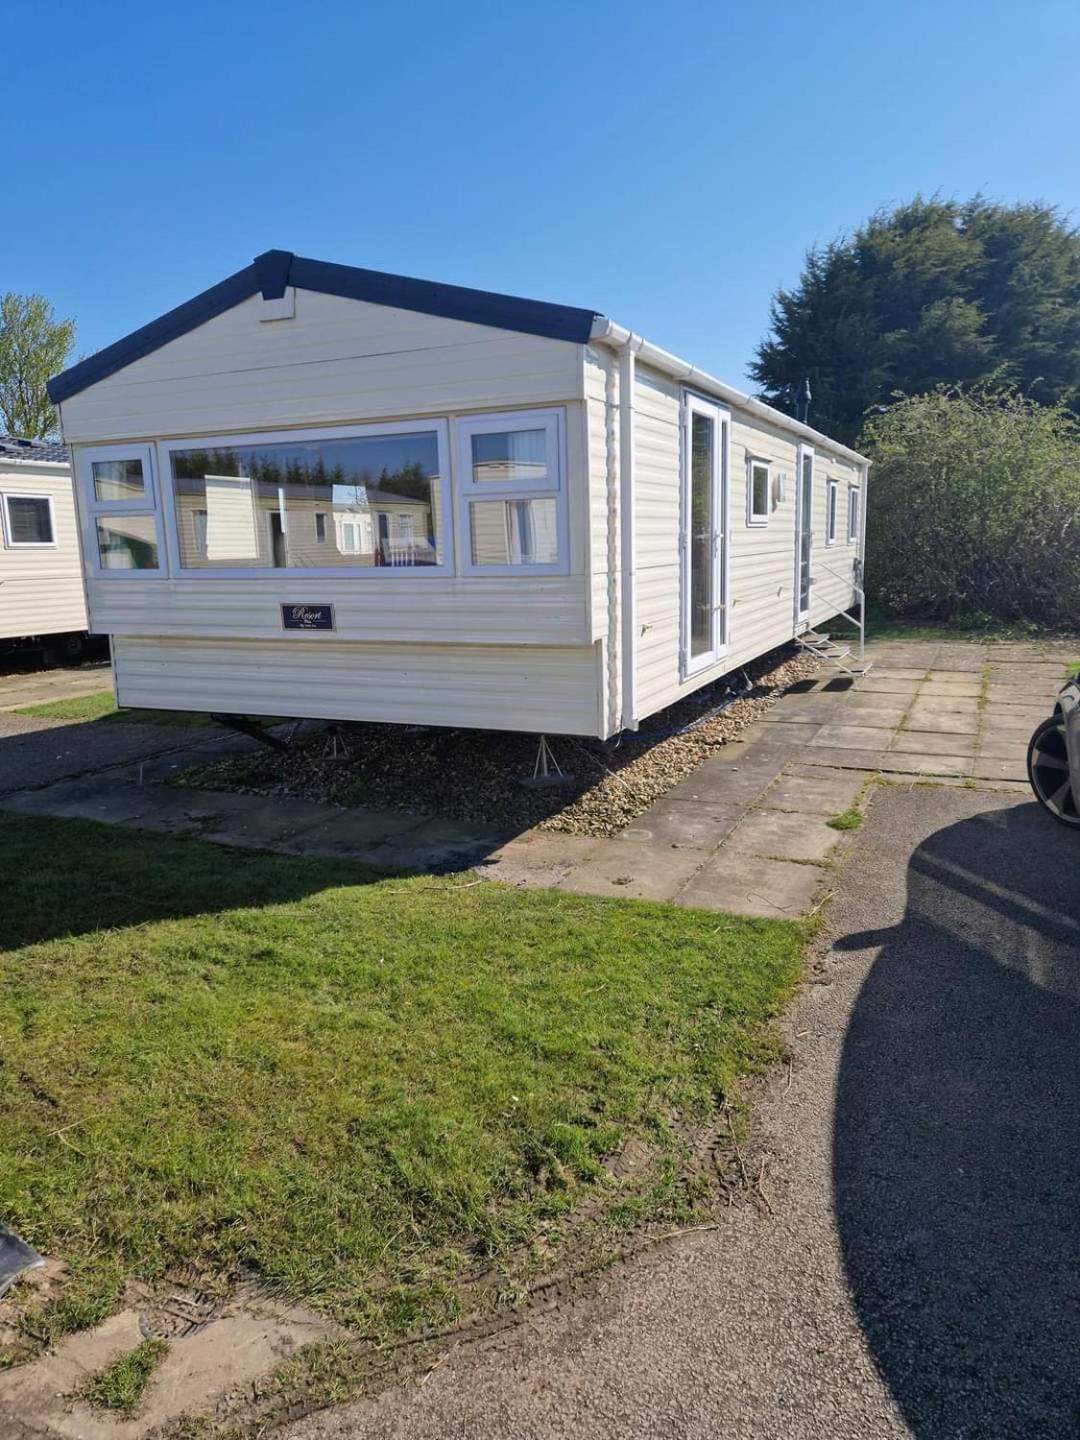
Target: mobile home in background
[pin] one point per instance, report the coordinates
(329, 492)
(42, 605)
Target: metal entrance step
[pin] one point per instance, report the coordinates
(834, 653)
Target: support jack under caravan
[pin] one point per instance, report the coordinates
(244, 726)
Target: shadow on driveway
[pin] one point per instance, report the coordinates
(956, 1159)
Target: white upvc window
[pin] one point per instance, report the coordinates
(357, 501)
(758, 488)
(854, 503)
(831, 494)
(28, 521)
(121, 523)
(511, 485)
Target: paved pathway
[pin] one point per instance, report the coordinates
(746, 833)
(917, 1272)
(18, 688)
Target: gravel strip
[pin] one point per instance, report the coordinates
(476, 775)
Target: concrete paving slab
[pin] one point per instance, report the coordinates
(1013, 675)
(1015, 716)
(797, 711)
(80, 800)
(874, 683)
(234, 1352)
(957, 704)
(905, 652)
(830, 757)
(1003, 747)
(1006, 724)
(45, 686)
(437, 844)
(922, 742)
(933, 686)
(848, 737)
(344, 832)
(538, 859)
(782, 836)
(637, 870)
(719, 782)
(897, 762)
(899, 672)
(814, 793)
(986, 768)
(962, 677)
(747, 885)
(683, 824)
(938, 721)
(1019, 695)
(878, 717)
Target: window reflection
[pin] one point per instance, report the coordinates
(361, 501)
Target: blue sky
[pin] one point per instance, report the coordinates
(666, 164)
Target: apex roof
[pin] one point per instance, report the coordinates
(271, 273)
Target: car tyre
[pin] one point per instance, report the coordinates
(1048, 772)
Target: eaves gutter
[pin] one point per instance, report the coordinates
(607, 332)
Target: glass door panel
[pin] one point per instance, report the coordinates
(702, 530)
(804, 535)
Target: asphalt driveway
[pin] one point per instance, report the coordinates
(917, 1268)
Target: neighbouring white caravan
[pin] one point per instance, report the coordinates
(321, 491)
(41, 584)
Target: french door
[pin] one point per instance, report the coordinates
(706, 427)
(804, 533)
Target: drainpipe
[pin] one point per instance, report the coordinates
(628, 351)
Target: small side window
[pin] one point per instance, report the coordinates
(854, 501)
(123, 536)
(830, 512)
(28, 521)
(510, 476)
(758, 485)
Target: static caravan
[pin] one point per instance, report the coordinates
(323, 491)
(41, 586)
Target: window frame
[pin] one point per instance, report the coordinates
(10, 543)
(91, 509)
(469, 491)
(754, 518)
(832, 507)
(194, 573)
(854, 513)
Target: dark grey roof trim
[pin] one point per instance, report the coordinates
(272, 272)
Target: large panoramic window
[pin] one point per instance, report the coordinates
(370, 500)
(513, 502)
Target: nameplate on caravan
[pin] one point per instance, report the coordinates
(307, 617)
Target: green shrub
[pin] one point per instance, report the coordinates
(975, 509)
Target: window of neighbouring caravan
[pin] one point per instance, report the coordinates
(831, 491)
(28, 520)
(365, 500)
(513, 502)
(853, 498)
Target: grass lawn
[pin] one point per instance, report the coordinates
(102, 706)
(357, 1086)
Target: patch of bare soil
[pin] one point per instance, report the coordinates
(476, 775)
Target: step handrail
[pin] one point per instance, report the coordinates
(860, 595)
